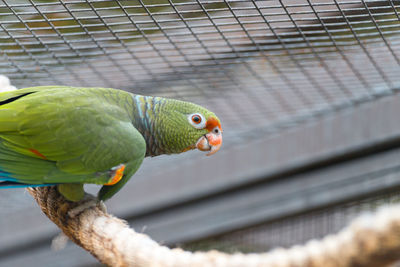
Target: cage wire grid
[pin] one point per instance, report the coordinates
(294, 230)
(268, 63)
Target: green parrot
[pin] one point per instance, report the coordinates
(68, 136)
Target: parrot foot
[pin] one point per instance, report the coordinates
(116, 174)
(87, 203)
(102, 206)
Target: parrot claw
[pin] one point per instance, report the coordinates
(102, 206)
(85, 204)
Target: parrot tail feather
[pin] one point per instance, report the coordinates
(9, 184)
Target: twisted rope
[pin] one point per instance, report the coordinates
(371, 240)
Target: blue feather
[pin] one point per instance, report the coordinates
(6, 181)
(6, 176)
(5, 185)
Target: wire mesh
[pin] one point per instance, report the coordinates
(265, 62)
(294, 230)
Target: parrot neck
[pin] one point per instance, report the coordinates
(145, 121)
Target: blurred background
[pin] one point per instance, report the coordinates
(307, 92)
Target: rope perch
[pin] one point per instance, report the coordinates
(370, 240)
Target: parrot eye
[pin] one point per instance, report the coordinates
(197, 121)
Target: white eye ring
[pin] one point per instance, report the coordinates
(197, 120)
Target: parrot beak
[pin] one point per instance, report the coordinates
(210, 142)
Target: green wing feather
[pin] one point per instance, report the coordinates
(79, 134)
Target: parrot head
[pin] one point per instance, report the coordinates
(189, 126)
(204, 128)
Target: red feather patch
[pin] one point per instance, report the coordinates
(37, 153)
(212, 123)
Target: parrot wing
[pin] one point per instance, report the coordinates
(66, 135)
